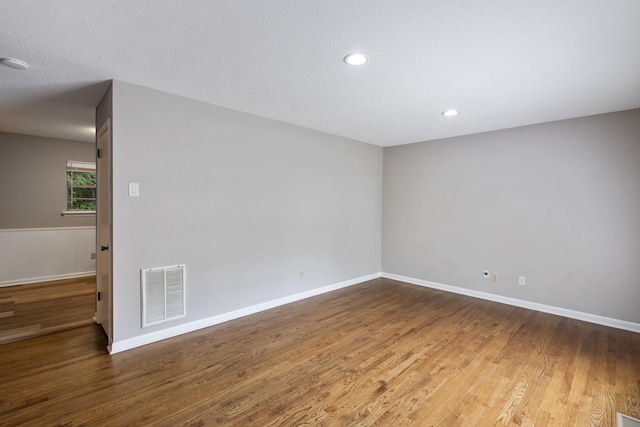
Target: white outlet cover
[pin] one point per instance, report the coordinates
(134, 189)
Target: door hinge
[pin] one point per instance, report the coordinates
(98, 296)
(98, 153)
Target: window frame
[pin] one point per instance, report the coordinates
(88, 166)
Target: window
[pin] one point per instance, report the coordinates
(81, 187)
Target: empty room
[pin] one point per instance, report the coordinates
(290, 213)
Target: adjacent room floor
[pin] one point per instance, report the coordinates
(36, 309)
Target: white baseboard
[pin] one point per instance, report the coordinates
(578, 315)
(46, 278)
(127, 344)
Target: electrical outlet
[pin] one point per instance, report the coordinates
(301, 274)
(521, 281)
(93, 255)
(485, 274)
(494, 277)
(134, 189)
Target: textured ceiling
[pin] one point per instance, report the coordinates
(502, 63)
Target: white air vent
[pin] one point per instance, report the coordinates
(164, 294)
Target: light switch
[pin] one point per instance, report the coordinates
(134, 189)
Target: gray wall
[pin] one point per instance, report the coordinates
(558, 203)
(33, 190)
(245, 202)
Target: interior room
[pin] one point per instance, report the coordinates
(311, 213)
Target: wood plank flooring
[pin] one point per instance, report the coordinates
(380, 353)
(42, 308)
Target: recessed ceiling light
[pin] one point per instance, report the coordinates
(356, 59)
(450, 113)
(14, 63)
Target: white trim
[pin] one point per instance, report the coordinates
(127, 344)
(77, 213)
(84, 227)
(46, 278)
(587, 317)
(81, 165)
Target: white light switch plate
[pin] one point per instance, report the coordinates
(134, 189)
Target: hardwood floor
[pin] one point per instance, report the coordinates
(42, 308)
(380, 353)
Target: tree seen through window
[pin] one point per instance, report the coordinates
(81, 186)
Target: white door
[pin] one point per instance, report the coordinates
(103, 231)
